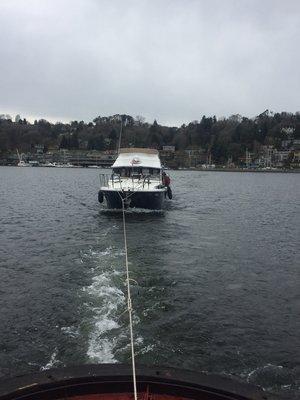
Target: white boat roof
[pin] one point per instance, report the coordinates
(137, 157)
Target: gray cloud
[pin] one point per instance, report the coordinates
(166, 59)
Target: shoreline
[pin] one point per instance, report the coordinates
(285, 171)
(274, 171)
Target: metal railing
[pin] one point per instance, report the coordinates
(104, 179)
(115, 178)
(107, 180)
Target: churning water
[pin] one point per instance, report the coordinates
(217, 275)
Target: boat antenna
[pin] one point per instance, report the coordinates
(120, 136)
(129, 303)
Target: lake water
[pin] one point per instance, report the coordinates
(217, 275)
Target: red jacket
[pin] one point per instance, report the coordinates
(166, 180)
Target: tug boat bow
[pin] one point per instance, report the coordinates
(114, 382)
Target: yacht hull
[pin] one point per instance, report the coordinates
(141, 199)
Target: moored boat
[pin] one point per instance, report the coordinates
(21, 162)
(138, 180)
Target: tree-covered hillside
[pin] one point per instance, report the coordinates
(222, 138)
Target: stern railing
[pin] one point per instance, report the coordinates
(104, 179)
(141, 182)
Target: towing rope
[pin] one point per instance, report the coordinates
(129, 304)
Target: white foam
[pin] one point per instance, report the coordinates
(106, 252)
(262, 369)
(52, 362)
(111, 299)
(98, 255)
(147, 349)
(103, 289)
(70, 330)
(101, 348)
(107, 303)
(101, 351)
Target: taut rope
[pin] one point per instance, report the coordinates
(129, 304)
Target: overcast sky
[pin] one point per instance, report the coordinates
(173, 60)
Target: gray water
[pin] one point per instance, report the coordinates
(217, 275)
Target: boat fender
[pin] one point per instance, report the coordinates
(169, 192)
(100, 196)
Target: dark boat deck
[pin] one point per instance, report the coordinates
(114, 382)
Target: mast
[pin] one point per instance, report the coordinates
(120, 137)
(247, 158)
(20, 159)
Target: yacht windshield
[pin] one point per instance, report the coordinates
(137, 172)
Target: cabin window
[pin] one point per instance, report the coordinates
(136, 172)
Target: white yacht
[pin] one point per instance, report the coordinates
(137, 178)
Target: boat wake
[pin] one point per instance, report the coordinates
(106, 325)
(106, 301)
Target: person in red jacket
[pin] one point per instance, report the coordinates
(166, 179)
